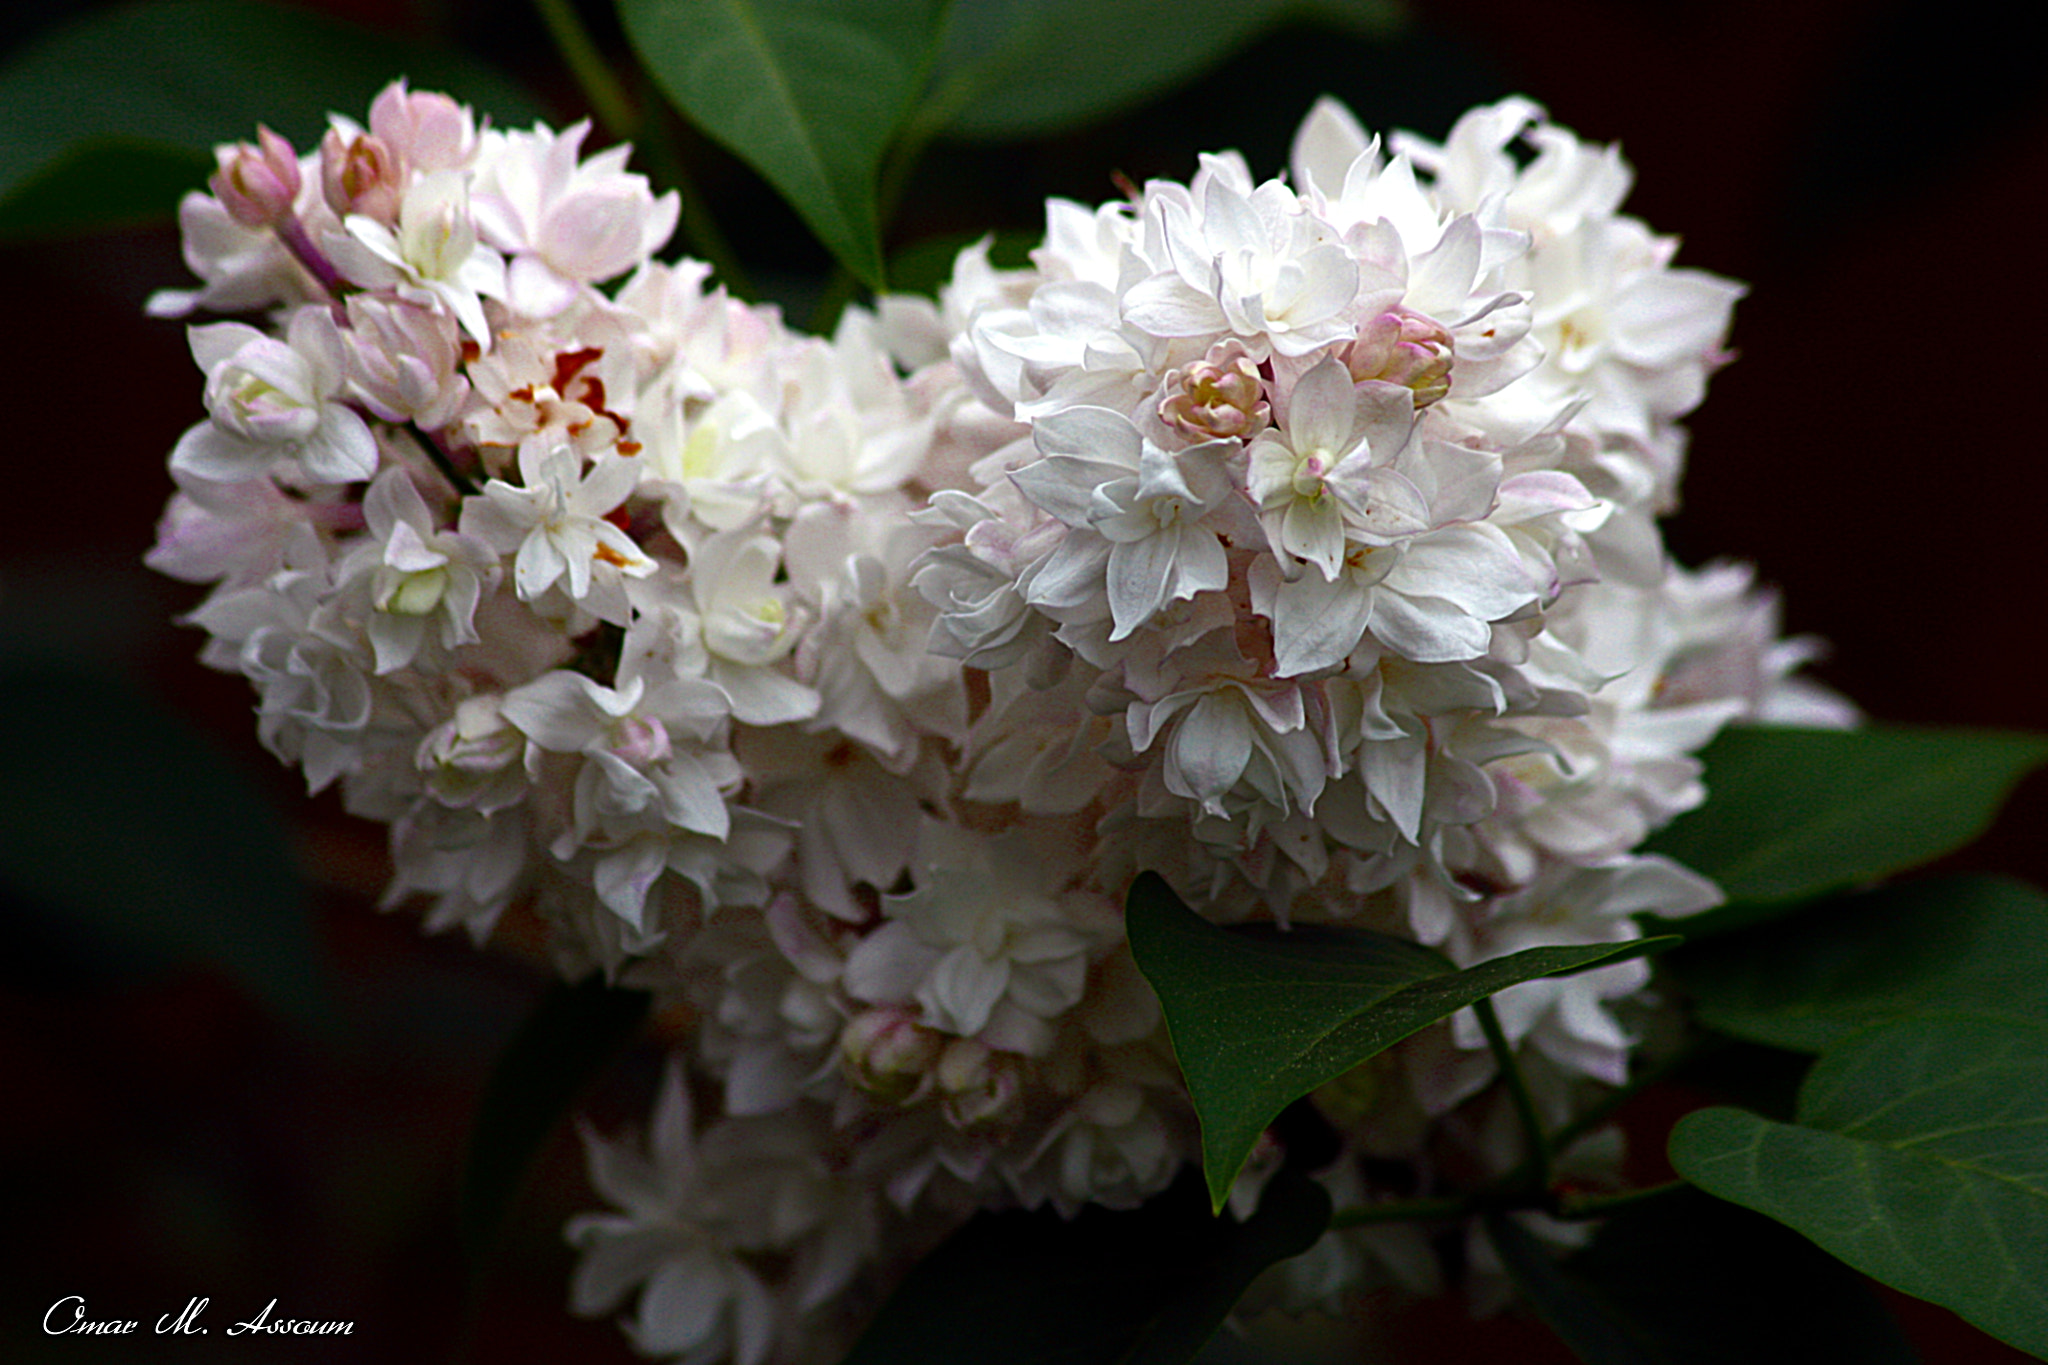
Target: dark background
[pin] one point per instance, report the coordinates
(1875, 172)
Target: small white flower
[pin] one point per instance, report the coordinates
(1138, 511)
(554, 524)
(564, 223)
(433, 257)
(981, 952)
(270, 401)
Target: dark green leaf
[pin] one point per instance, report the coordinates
(1024, 68)
(562, 1045)
(1588, 1323)
(124, 828)
(810, 93)
(1920, 1158)
(1960, 943)
(1143, 1287)
(1260, 1017)
(1791, 814)
(107, 120)
(102, 184)
(1710, 1283)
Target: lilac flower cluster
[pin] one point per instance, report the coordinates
(1294, 539)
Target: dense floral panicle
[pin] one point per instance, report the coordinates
(1295, 539)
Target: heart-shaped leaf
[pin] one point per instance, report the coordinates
(570, 1036)
(1141, 1287)
(1950, 943)
(1259, 1017)
(810, 93)
(1920, 1158)
(1794, 813)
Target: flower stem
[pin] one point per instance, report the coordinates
(444, 460)
(1577, 1207)
(1537, 1167)
(603, 91)
(292, 233)
(618, 113)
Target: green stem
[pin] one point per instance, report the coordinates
(1583, 1206)
(702, 236)
(1538, 1165)
(618, 113)
(444, 461)
(604, 92)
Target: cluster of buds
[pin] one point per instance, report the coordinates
(1282, 540)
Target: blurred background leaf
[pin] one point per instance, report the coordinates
(1709, 1283)
(1145, 1286)
(1024, 68)
(129, 835)
(572, 1033)
(108, 120)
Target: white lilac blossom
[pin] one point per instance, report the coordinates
(1295, 539)
(271, 400)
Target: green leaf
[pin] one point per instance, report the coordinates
(562, 1045)
(1707, 1283)
(810, 93)
(1597, 1333)
(1142, 1287)
(1794, 813)
(1260, 1017)
(1954, 943)
(1024, 68)
(108, 120)
(1920, 1158)
(128, 834)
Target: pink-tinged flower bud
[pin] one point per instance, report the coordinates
(360, 176)
(888, 1054)
(1219, 396)
(1405, 349)
(979, 1087)
(475, 758)
(641, 741)
(406, 360)
(424, 130)
(258, 183)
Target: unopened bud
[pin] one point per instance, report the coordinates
(425, 130)
(888, 1054)
(475, 757)
(360, 176)
(641, 740)
(979, 1086)
(1404, 349)
(1219, 396)
(257, 183)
